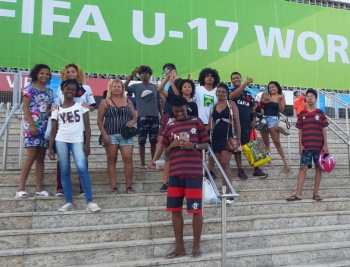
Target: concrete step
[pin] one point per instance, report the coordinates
(263, 214)
(264, 257)
(136, 253)
(241, 233)
(275, 173)
(334, 263)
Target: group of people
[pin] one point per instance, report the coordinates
(69, 132)
(192, 119)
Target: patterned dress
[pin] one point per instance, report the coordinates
(39, 102)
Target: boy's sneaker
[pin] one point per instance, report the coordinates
(258, 173)
(212, 175)
(67, 207)
(81, 192)
(230, 200)
(242, 175)
(92, 207)
(59, 193)
(164, 188)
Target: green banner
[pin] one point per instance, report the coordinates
(295, 44)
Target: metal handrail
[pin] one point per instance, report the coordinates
(335, 99)
(5, 130)
(8, 119)
(223, 197)
(336, 132)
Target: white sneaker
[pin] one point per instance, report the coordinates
(92, 207)
(42, 194)
(67, 207)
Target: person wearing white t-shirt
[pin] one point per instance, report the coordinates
(69, 123)
(205, 99)
(83, 95)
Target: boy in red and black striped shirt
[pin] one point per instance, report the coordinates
(183, 141)
(312, 123)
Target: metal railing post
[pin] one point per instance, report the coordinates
(21, 141)
(6, 133)
(223, 229)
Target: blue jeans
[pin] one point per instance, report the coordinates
(63, 153)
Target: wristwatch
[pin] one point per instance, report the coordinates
(195, 147)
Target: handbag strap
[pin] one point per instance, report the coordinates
(230, 118)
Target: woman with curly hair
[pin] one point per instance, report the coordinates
(271, 111)
(205, 99)
(37, 100)
(83, 95)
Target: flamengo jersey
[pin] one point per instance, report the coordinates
(311, 123)
(186, 162)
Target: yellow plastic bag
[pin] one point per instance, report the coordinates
(256, 153)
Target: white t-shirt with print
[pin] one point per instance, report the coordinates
(87, 97)
(70, 123)
(205, 100)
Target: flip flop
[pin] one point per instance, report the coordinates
(143, 167)
(293, 198)
(196, 253)
(174, 254)
(317, 198)
(114, 191)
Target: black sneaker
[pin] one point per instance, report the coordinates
(212, 175)
(242, 175)
(81, 192)
(59, 193)
(259, 174)
(164, 188)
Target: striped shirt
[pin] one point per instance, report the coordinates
(311, 123)
(186, 162)
(116, 118)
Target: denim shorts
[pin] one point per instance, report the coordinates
(309, 155)
(117, 139)
(271, 121)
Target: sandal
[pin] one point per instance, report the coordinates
(317, 198)
(42, 194)
(196, 253)
(174, 254)
(21, 194)
(293, 198)
(129, 190)
(114, 191)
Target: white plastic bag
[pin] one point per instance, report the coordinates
(48, 129)
(209, 193)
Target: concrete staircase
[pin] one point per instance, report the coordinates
(134, 230)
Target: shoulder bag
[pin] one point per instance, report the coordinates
(232, 143)
(283, 126)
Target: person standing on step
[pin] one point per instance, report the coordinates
(37, 101)
(271, 110)
(183, 141)
(246, 107)
(83, 95)
(186, 90)
(220, 121)
(148, 109)
(70, 122)
(312, 124)
(114, 113)
(205, 99)
(167, 88)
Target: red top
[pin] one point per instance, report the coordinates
(186, 162)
